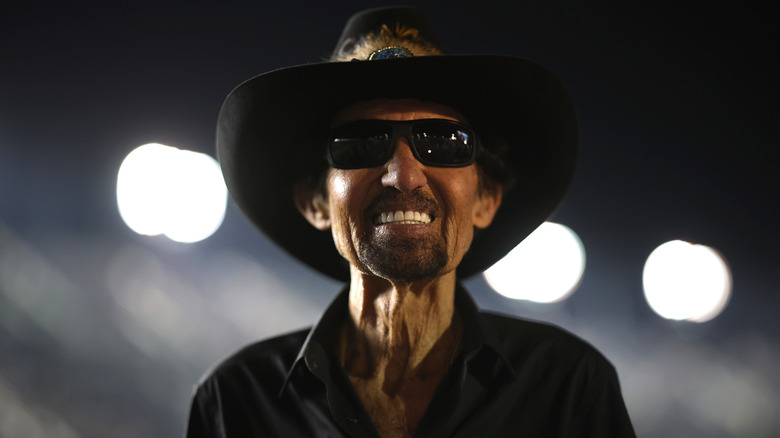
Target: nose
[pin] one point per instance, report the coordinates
(403, 170)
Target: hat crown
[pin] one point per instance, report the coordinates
(382, 33)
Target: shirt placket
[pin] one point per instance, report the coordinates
(351, 417)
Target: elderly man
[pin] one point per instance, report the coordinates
(407, 156)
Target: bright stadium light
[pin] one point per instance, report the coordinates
(165, 190)
(546, 267)
(686, 281)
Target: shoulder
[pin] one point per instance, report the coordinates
(522, 339)
(239, 391)
(562, 380)
(269, 357)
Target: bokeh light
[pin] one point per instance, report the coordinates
(166, 190)
(546, 267)
(686, 281)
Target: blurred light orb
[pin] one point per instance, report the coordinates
(546, 267)
(686, 281)
(166, 190)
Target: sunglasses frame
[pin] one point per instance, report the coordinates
(403, 128)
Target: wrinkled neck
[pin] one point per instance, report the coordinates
(400, 322)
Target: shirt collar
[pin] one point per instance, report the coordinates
(478, 335)
(321, 341)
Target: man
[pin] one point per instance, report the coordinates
(406, 156)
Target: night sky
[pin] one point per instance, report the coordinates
(678, 110)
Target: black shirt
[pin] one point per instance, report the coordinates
(512, 378)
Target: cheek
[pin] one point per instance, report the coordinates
(344, 198)
(343, 232)
(348, 185)
(338, 185)
(461, 197)
(464, 191)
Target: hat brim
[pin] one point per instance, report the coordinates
(269, 122)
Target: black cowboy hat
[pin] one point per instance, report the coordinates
(272, 123)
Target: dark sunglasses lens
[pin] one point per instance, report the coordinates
(360, 144)
(441, 143)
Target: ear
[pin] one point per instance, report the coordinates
(486, 206)
(312, 206)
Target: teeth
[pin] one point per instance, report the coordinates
(404, 217)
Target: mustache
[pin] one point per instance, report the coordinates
(390, 198)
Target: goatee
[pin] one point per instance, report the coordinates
(404, 259)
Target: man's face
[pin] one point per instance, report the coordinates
(404, 221)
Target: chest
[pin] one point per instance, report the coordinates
(396, 400)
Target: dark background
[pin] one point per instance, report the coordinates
(104, 332)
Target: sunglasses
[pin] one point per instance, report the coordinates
(371, 143)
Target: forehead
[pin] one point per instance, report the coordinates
(396, 109)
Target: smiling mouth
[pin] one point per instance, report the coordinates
(403, 217)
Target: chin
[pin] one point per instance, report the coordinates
(402, 261)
